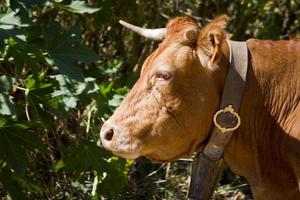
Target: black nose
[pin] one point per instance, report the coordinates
(108, 134)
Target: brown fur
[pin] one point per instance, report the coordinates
(164, 119)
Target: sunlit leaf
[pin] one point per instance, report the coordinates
(116, 100)
(12, 19)
(65, 91)
(81, 7)
(6, 82)
(9, 31)
(7, 106)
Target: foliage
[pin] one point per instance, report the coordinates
(65, 65)
(43, 84)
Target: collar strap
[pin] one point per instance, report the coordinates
(226, 120)
(207, 166)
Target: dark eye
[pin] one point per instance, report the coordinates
(163, 75)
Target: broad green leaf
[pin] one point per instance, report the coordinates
(7, 106)
(115, 175)
(6, 82)
(16, 185)
(15, 138)
(12, 19)
(40, 100)
(65, 51)
(11, 184)
(23, 8)
(71, 92)
(21, 58)
(81, 7)
(85, 156)
(116, 100)
(88, 156)
(21, 135)
(28, 3)
(65, 57)
(87, 87)
(10, 31)
(70, 101)
(66, 91)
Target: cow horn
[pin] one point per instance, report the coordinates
(154, 34)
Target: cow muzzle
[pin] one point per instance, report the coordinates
(107, 134)
(115, 139)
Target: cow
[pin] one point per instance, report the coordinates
(168, 113)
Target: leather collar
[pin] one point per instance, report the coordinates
(226, 120)
(208, 165)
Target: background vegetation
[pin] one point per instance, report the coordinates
(64, 67)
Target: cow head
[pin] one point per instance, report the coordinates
(168, 113)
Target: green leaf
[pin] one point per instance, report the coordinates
(12, 19)
(70, 102)
(40, 100)
(66, 91)
(88, 156)
(87, 87)
(65, 58)
(80, 7)
(85, 156)
(64, 51)
(20, 55)
(15, 185)
(7, 106)
(112, 67)
(115, 175)
(21, 135)
(11, 184)
(15, 138)
(59, 165)
(6, 82)
(116, 100)
(23, 8)
(9, 31)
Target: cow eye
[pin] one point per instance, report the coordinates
(163, 75)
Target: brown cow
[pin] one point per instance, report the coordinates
(168, 113)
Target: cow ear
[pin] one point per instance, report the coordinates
(210, 40)
(190, 36)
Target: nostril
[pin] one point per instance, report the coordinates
(109, 134)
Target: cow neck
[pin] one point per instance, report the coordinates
(227, 120)
(207, 166)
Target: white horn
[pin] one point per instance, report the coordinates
(154, 34)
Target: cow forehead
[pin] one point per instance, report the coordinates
(178, 24)
(171, 51)
(175, 55)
